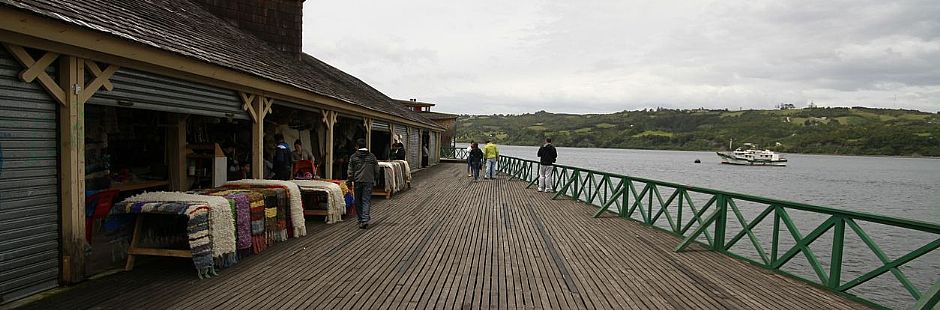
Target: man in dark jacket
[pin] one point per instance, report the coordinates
(398, 151)
(282, 159)
(547, 156)
(363, 168)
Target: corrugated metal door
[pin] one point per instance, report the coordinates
(142, 90)
(414, 147)
(434, 151)
(29, 185)
(379, 126)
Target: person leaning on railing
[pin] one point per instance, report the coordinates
(547, 156)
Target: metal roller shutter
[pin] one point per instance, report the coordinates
(401, 132)
(414, 147)
(29, 185)
(380, 126)
(142, 90)
(433, 151)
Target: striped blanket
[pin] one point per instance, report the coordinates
(244, 202)
(336, 204)
(211, 226)
(296, 215)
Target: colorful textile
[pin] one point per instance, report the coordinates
(275, 214)
(242, 205)
(197, 229)
(292, 195)
(336, 205)
(220, 223)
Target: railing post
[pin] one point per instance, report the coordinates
(835, 265)
(649, 205)
(679, 211)
(775, 244)
(930, 299)
(721, 220)
(627, 192)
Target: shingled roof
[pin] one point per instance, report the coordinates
(185, 28)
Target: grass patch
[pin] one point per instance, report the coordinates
(536, 128)
(731, 114)
(923, 134)
(654, 133)
(605, 125)
(872, 115)
(583, 130)
(851, 120)
(915, 117)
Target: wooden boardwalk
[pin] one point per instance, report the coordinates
(450, 243)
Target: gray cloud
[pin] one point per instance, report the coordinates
(598, 56)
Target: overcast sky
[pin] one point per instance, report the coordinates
(593, 56)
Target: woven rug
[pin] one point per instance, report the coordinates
(293, 196)
(407, 169)
(220, 224)
(336, 205)
(390, 177)
(197, 229)
(241, 199)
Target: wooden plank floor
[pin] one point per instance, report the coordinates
(449, 243)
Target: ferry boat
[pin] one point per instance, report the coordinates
(751, 155)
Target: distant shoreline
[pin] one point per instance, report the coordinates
(674, 150)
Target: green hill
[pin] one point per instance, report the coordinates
(855, 131)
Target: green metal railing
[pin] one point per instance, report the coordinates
(721, 222)
(454, 153)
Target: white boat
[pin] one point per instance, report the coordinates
(751, 155)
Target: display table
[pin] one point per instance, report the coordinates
(336, 204)
(395, 177)
(139, 185)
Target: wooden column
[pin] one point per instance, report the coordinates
(368, 123)
(257, 106)
(329, 118)
(176, 152)
(72, 169)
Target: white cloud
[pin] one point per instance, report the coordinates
(598, 56)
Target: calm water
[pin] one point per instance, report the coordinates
(897, 187)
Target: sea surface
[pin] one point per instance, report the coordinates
(906, 188)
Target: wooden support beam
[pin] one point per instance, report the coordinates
(72, 169)
(176, 152)
(329, 118)
(368, 123)
(101, 78)
(257, 106)
(37, 70)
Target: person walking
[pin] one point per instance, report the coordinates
(475, 161)
(547, 156)
(362, 170)
(469, 149)
(491, 153)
